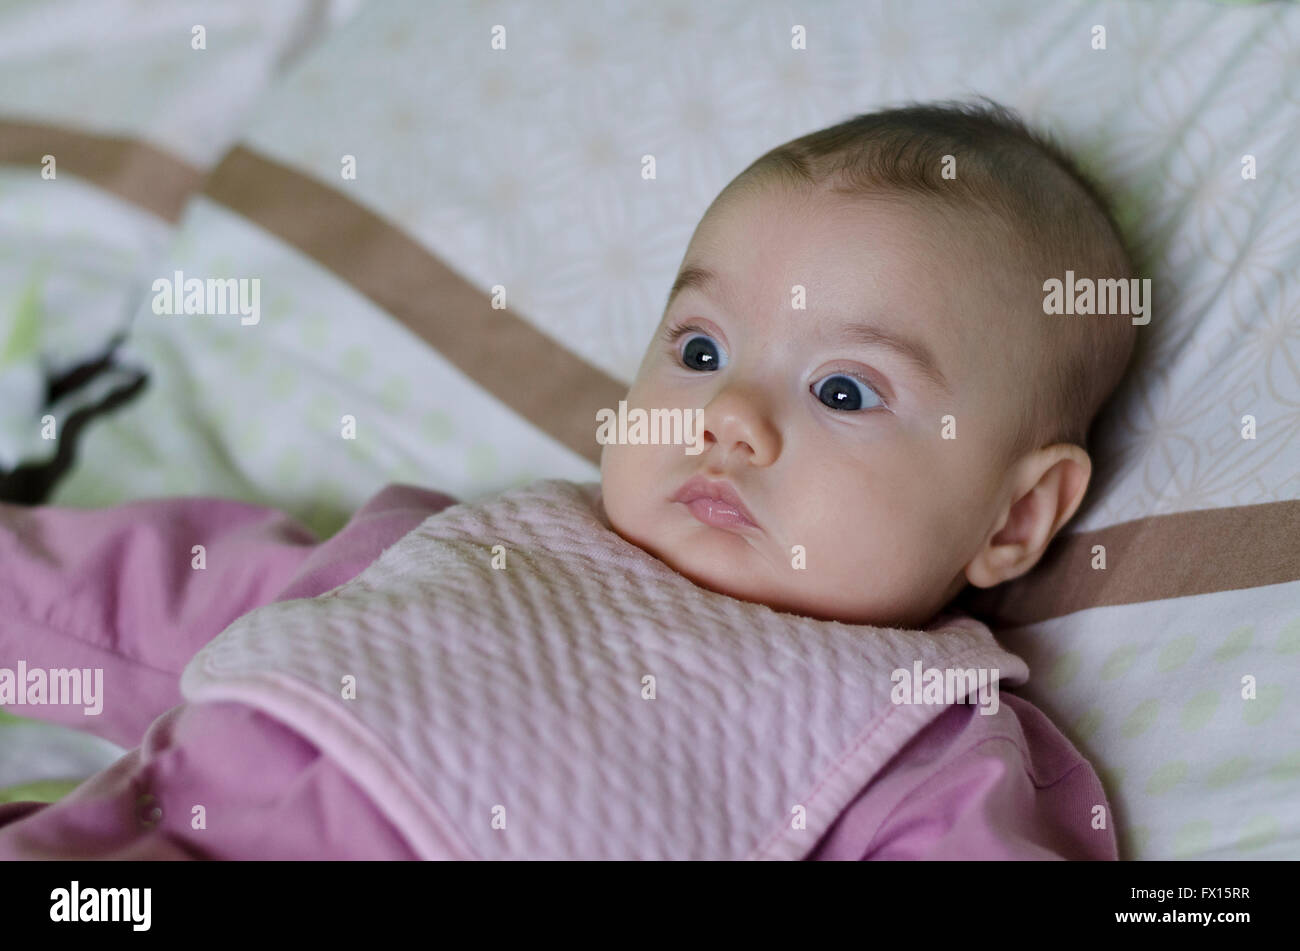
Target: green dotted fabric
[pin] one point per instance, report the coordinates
(1188, 715)
(313, 409)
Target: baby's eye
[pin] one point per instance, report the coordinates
(702, 353)
(839, 391)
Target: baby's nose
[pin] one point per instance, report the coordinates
(738, 419)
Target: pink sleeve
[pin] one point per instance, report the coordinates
(120, 589)
(1006, 786)
(249, 773)
(209, 781)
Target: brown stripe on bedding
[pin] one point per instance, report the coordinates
(1151, 559)
(537, 378)
(135, 171)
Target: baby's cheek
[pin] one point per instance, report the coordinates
(896, 539)
(634, 486)
(619, 486)
(933, 495)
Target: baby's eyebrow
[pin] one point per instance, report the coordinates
(695, 278)
(914, 351)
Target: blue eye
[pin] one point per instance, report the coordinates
(843, 392)
(701, 353)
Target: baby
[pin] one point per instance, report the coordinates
(860, 313)
(692, 658)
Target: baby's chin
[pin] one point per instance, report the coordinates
(727, 563)
(711, 558)
(762, 589)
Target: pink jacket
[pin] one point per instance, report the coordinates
(114, 589)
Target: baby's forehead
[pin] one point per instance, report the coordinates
(952, 276)
(890, 240)
(896, 260)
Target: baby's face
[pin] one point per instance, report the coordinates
(825, 421)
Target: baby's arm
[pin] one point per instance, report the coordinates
(265, 793)
(129, 590)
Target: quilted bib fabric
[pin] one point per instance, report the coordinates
(580, 699)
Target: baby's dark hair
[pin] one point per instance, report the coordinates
(1035, 202)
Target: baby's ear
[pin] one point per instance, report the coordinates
(1047, 487)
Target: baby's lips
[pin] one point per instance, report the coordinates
(699, 487)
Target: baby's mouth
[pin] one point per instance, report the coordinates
(715, 503)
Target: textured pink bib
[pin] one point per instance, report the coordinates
(506, 712)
